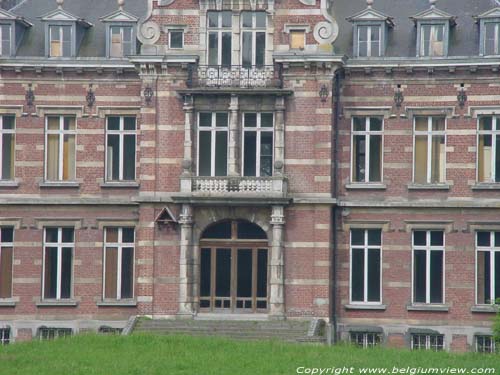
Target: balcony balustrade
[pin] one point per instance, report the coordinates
(235, 186)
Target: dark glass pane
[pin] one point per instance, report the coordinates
(220, 230)
(419, 276)
(8, 122)
(205, 119)
(357, 237)
(176, 39)
(213, 19)
(483, 238)
(260, 19)
(497, 276)
(486, 123)
(111, 272)
(250, 154)
(374, 275)
(129, 157)
(221, 154)
(127, 272)
(66, 266)
(266, 120)
(205, 154)
(497, 239)
(128, 235)
(260, 49)
(5, 272)
(375, 158)
(213, 49)
(221, 119)
(359, 124)
(205, 272)
(129, 123)
(113, 123)
(227, 18)
(437, 238)
(226, 49)
(223, 273)
(497, 160)
(359, 158)
(8, 157)
(7, 235)
(50, 277)
(374, 237)
(358, 275)
(483, 277)
(436, 277)
(419, 238)
(51, 235)
(113, 162)
(244, 279)
(246, 49)
(261, 273)
(250, 120)
(250, 231)
(68, 235)
(266, 154)
(246, 19)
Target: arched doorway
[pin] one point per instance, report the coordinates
(234, 268)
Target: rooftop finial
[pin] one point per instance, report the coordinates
(121, 3)
(60, 3)
(369, 3)
(433, 3)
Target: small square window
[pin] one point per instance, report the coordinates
(176, 39)
(297, 39)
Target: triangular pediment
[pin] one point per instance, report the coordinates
(492, 13)
(119, 16)
(62, 15)
(370, 14)
(8, 16)
(433, 14)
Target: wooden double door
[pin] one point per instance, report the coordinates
(234, 278)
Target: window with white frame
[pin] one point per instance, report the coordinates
(121, 134)
(60, 148)
(488, 149)
(258, 144)
(60, 41)
(5, 39)
(369, 41)
(118, 270)
(432, 43)
(219, 38)
(485, 344)
(366, 339)
(429, 150)
(367, 149)
(428, 266)
(253, 38)
(212, 143)
(59, 244)
(4, 336)
(49, 333)
(6, 261)
(176, 39)
(487, 267)
(366, 263)
(7, 147)
(427, 342)
(122, 41)
(492, 38)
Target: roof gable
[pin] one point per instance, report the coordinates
(6, 15)
(370, 14)
(492, 13)
(61, 15)
(433, 13)
(119, 16)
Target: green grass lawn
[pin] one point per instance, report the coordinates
(172, 355)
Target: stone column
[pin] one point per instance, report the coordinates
(187, 162)
(277, 279)
(233, 144)
(186, 280)
(279, 136)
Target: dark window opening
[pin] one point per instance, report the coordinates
(45, 333)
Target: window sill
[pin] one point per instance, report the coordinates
(483, 186)
(8, 302)
(57, 303)
(9, 184)
(354, 306)
(485, 309)
(428, 187)
(366, 186)
(428, 307)
(124, 303)
(120, 185)
(60, 184)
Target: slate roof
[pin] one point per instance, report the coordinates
(94, 42)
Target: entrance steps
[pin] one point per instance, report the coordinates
(257, 329)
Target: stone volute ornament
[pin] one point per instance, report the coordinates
(149, 31)
(325, 32)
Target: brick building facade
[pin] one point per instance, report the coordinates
(289, 159)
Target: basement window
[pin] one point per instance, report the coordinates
(488, 149)
(7, 146)
(427, 342)
(6, 255)
(367, 149)
(60, 148)
(366, 339)
(428, 267)
(485, 344)
(45, 333)
(366, 264)
(430, 150)
(488, 267)
(59, 244)
(106, 330)
(4, 336)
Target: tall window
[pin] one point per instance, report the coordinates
(59, 244)
(428, 267)
(369, 44)
(430, 150)
(118, 263)
(60, 41)
(492, 38)
(488, 149)
(60, 148)
(6, 255)
(219, 38)
(367, 149)
(7, 142)
(253, 38)
(121, 43)
(120, 148)
(488, 267)
(258, 144)
(5, 39)
(427, 342)
(212, 143)
(366, 254)
(432, 40)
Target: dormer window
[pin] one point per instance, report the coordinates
(5, 37)
(121, 43)
(432, 40)
(121, 33)
(60, 41)
(369, 41)
(489, 26)
(12, 29)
